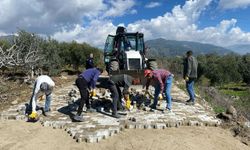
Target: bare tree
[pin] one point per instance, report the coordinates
(24, 53)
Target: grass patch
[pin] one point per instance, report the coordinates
(219, 109)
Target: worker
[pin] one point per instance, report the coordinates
(190, 74)
(162, 79)
(43, 85)
(90, 61)
(114, 84)
(86, 81)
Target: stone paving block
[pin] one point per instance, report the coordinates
(47, 123)
(130, 126)
(148, 126)
(21, 117)
(91, 139)
(102, 134)
(170, 124)
(160, 126)
(139, 126)
(193, 123)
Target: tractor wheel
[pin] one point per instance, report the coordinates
(152, 65)
(114, 65)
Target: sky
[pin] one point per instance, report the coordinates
(218, 22)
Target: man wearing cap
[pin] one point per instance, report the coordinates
(86, 81)
(43, 85)
(162, 80)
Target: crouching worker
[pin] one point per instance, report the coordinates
(43, 85)
(86, 81)
(114, 84)
(162, 79)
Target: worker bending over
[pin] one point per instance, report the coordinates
(113, 84)
(162, 80)
(86, 81)
(43, 85)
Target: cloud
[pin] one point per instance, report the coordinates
(233, 4)
(152, 5)
(95, 34)
(46, 16)
(119, 8)
(181, 24)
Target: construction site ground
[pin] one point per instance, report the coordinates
(187, 127)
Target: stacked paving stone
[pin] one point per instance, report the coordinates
(100, 125)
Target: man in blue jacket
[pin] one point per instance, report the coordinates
(86, 80)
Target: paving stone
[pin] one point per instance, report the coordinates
(160, 126)
(98, 126)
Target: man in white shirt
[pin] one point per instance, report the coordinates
(43, 85)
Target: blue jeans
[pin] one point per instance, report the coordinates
(190, 89)
(47, 102)
(168, 86)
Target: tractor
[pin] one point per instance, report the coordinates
(125, 53)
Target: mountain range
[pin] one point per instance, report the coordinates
(163, 47)
(240, 48)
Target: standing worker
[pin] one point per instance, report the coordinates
(86, 80)
(114, 84)
(90, 61)
(43, 85)
(162, 80)
(190, 74)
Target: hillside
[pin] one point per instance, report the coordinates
(8, 38)
(162, 47)
(240, 48)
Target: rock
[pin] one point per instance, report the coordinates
(231, 110)
(63, 77)
(14, 102)
(225, 116)
(247, 124)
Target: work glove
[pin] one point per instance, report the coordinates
(93, 93)
(160, 96)
(186, 78)
(127, 102)
(33, 115)
(42, 97)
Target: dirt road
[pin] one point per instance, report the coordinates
(29, 136)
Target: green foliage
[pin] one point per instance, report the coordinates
(75, 54)
(54, 56)
(219, 109)
(51, 61)
(244, 68)
(219, 69)
(5, 44)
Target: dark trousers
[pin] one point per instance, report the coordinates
(82, 85)
(116, 96)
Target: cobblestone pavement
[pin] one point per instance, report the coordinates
(100, 125)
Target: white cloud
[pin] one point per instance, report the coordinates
(233, 4)
(152, 5)
(95, 34)
(119, 7)
(180, 24)
(46, 16)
